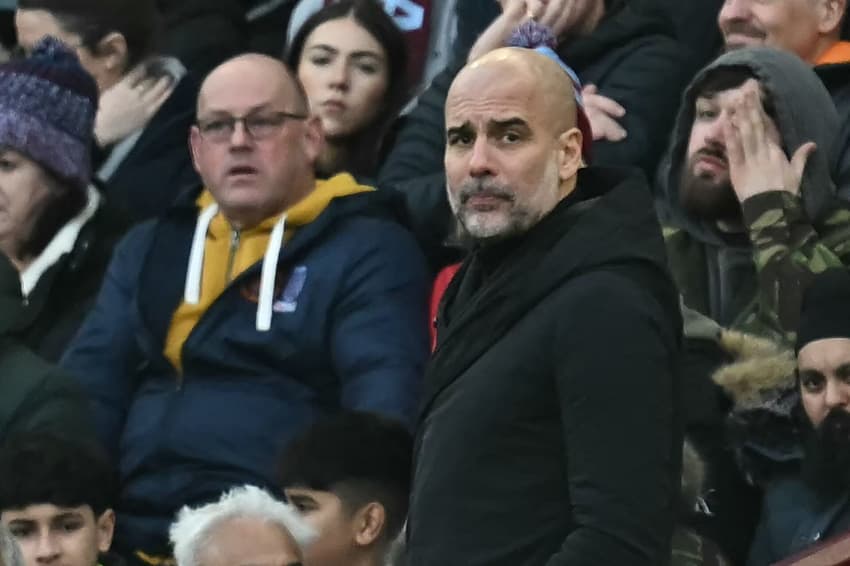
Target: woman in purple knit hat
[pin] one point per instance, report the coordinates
(52, 227)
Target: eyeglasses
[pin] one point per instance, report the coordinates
(257, 126)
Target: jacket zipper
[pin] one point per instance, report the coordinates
(235, 236)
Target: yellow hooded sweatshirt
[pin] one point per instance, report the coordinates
(227, 253)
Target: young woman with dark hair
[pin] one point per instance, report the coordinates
(352, 60)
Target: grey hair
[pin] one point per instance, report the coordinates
(10, 552)
(191, 531)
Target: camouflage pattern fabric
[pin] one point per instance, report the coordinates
(787, 252)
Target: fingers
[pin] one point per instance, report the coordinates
(157, 92)
(801, 158)
(535, 9)
(560, 16)
(514, 9)
(605, 127)
(603, 104)
(734, 148)
(741, 121)
(135, 77)
(755, 117)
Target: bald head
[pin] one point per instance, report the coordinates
(250, 71)
(542, 76)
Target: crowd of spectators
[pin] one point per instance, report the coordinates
(455, 282)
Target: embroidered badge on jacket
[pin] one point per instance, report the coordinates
(288, 300)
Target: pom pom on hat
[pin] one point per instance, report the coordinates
(532, 35)
(537, 37)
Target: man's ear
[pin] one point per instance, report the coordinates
(195, 142)
(112, 50)
(569, 154)
(830, 16)
(105, 530)
(314, 138)
(369, 523)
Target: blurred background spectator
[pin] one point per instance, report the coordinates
(146, 100)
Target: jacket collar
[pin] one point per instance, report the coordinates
(169, 249)
(62, 243)
(615, 224)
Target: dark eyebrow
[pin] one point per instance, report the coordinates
(810, 373)
(324, 47)
(466, 127)
(226, 114)
(300, 497)
(366, 55)
(843, 370)
(501, 125)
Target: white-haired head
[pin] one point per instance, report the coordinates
(10, 552)
(191, 531)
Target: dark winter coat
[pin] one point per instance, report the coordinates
(767, 437)
(56, 307)
(34, 395)
(549, 428)
(793, 519)
(202, 33)
(353, 335)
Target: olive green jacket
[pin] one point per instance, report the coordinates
(34, 395)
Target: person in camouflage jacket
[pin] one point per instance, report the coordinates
(746, 193)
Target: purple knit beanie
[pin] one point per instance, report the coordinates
(47, 108)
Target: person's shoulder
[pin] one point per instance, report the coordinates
(604, 286)
(376, 217)
(25, 372)
(139, 236)
(786, 492)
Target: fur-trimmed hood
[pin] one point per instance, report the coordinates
(761, 370)
(765, 422)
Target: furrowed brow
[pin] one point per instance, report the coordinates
(502, 125)
(465, 128)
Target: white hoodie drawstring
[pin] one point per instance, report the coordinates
(192, 292)
(268, 274)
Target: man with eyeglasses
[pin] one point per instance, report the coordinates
(261, 302)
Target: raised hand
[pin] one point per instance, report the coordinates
(129, 105)
(603, 113)
(757, 163)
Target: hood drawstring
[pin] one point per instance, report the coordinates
(192, 292)
(268, 274)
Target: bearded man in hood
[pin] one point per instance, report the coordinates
(748, 198)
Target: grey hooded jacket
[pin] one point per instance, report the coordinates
(753, 280)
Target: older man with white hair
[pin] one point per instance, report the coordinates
(247, 526)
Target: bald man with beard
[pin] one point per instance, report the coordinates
(548, 431)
